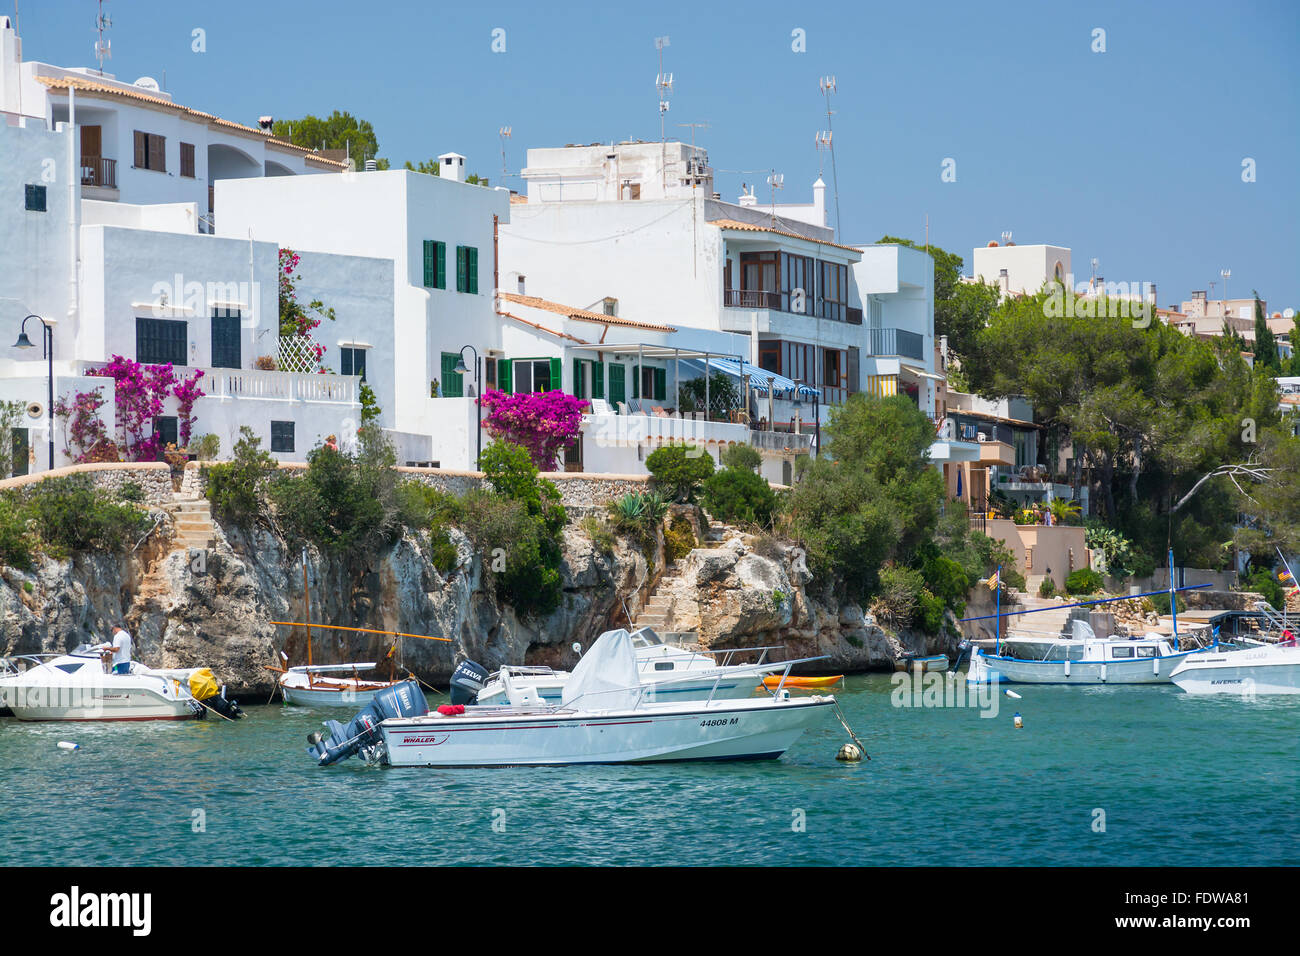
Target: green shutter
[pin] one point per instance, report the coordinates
(636, 381)
(617, 383)
(557, 370)
(471, 269)
(597, 379)
(577, 377)
(430, 272)
(661, 383)
(440, 265)
(452, 387)
(503, 375)
(461, 260)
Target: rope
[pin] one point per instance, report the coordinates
(415, 677)
(849, 730)
(217, 712)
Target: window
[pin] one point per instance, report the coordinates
(535, 375)
(165, 430)
(352, 361)
(832, 367)
(435, 264)
(758, 271)
(150, 151)
(797, 275)
(663, 665)
(1149, 651)
(187, 160)
(226, 351)
(854, 369)
(489, 372)
(631, 190)
(1121, 653)
(769, 356)
(611, 305)
(453, 385)
(467, 269)
(161, 341)
(282, 437)
(834, 289)
(34, 198)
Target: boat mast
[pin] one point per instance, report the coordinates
(1173, 597)
(998, 623)
(306, 603)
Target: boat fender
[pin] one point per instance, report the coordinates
(1012, 693)
(1155, 666)
(68, 745)
(466, 681)
(1020, 723)
(1103, 672)
(1067, 667)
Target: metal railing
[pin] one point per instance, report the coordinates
(896, 342)
(98, 171)
(751, 299)
(781, 441)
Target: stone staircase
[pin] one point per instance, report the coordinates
(659, 603)
(193, 517)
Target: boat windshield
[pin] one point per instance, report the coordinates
(645, 637)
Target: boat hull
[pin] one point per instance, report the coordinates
(1267, 670)
(729, 688)
(95, 703)
(987, 668)
(723, 730)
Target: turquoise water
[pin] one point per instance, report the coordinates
(1182, 781)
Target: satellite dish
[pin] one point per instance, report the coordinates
(147, 83)
(1288, 313)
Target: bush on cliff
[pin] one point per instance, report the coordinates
(70, 514)
(234, 488)
(16, 545)
(679, 469)
(739, 495)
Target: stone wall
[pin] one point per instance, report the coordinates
(578, 490)
(153, 477)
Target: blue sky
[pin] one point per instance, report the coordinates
(1133, 155)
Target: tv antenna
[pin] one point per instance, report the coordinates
(827, 85)
(504, 133)
(823, 143)
(775, 181)
(103, 47)
(664, 87)
(1227, 274)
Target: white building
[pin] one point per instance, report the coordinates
(140, 281)
(1021, 270)
(437, 232)
(136, 144)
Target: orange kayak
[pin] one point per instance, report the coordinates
(774, 680)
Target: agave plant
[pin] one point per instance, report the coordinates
(628, 511)
(654, 507)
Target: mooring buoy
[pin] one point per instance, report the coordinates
(850, 753)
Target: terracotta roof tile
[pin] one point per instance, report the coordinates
(583, 315)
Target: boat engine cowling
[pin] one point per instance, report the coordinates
(345, 740)
(466, 681)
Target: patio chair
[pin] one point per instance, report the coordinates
(600, 407)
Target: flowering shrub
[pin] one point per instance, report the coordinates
(294, 318)
(84, 429)
(544, 423)
(140, 391)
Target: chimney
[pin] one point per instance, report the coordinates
(452, 166)
(1004, 282)
(371, 165)
(819, 200)
(747, 197)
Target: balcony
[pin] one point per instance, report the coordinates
(225, 384)
(897, 342)
(98, 171)
(781, 442)
(750, 299)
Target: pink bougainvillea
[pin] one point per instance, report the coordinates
(295, 320)
(140, 391)
(543, 422)
(86, 431)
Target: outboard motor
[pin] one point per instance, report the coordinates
(345, 740)
(466, 681)
(226, 708)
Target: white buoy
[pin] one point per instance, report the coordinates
(850, 753)
(1012, 693)
(68, 745)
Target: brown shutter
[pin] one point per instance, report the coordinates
(158, 153)
(141, 150)
(91, 142)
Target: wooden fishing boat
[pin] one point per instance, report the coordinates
(932, 663)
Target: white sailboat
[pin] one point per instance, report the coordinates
(604, 717)
(78, 687)
(1272, 669)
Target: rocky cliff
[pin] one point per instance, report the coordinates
(218, 606)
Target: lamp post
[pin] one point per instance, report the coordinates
(47, 343)
(796, 407)
(462, 369)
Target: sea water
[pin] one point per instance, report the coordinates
(1139, 776)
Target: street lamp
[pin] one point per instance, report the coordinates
(47, 343)
(462, 369)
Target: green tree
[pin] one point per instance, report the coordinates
(679, 470)
(1266, 355)
(336, 131)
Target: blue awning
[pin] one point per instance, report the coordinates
(760, 379)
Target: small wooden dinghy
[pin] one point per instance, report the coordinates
(933, 663)
(774, 679)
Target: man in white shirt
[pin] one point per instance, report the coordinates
(120, 647)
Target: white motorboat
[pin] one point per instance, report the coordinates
(669, 672)
(604, 717)
(76, 686)
(1146, 660)
(1271, 669)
